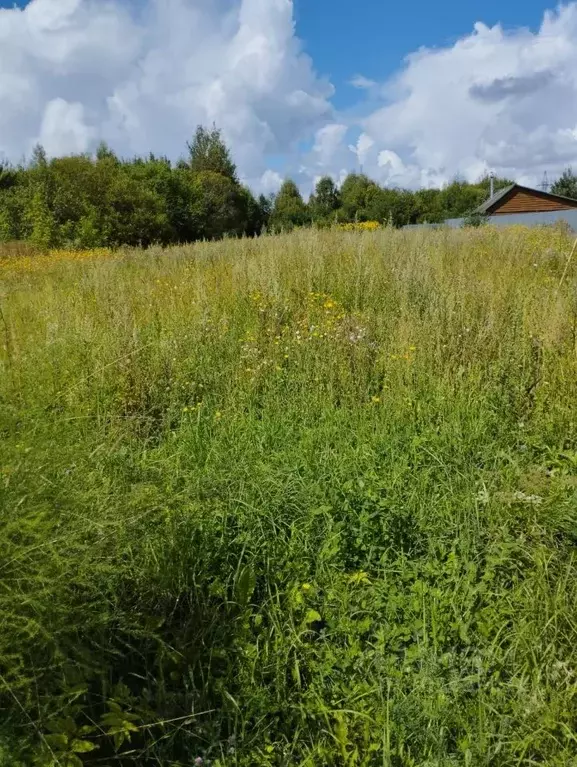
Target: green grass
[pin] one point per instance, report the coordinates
(305, 500)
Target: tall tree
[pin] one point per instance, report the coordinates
(325, 200)
(566, 185)
(357, 195)
(208, 152)
(219, 206)
(289, 208)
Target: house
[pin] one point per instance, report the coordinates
(516, 204)
(522, 199)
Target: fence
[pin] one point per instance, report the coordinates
(524, 219)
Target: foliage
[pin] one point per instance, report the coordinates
(566, 185)
(357, 192)
(218, 207)
(87, 202)
(306, 499)
(209, 154)
(101, 201)
(325, 201)
(475, 219)
(289, 210)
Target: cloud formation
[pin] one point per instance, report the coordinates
(496, 100)
(141, 77)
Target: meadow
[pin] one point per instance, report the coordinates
(307, 499)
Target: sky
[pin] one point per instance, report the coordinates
(414, 95)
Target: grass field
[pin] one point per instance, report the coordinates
(304, 500)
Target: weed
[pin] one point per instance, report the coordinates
(306, 499)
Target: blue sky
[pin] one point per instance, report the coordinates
(372, 37)
(446, 91)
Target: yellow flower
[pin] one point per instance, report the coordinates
(218, 415)
(375, 400)
(306, 587)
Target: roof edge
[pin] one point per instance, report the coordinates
(498, 196)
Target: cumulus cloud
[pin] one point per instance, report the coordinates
(505, 101)
(502, 87)
(142, 75)
(270, 182)
(73, 72)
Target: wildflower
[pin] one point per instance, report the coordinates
(218, 415)
(375, 400)
(306, 587)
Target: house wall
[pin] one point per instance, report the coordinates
(525, 202)
(526, 219)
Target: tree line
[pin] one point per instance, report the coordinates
(103, 201)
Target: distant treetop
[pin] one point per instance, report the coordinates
(208, 152)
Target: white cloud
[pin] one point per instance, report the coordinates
(73, 72)
(270, 182)
(495, 100)
(141, 75)
(64, 129)
(362, 149)
(362, 83)
(328, 140)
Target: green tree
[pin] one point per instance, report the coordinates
(429, 206)
(289, 209)
(209, 153)
(6, 219)
(132, 214)
(74, 195)
(459, 198)
(325, 201)
(9, 178)
(40, 217)
(219, 206)
(104, 152)
(357, 194)
(258, 213)
(566, 186)
(40, 227)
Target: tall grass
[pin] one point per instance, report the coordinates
(301, 500)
